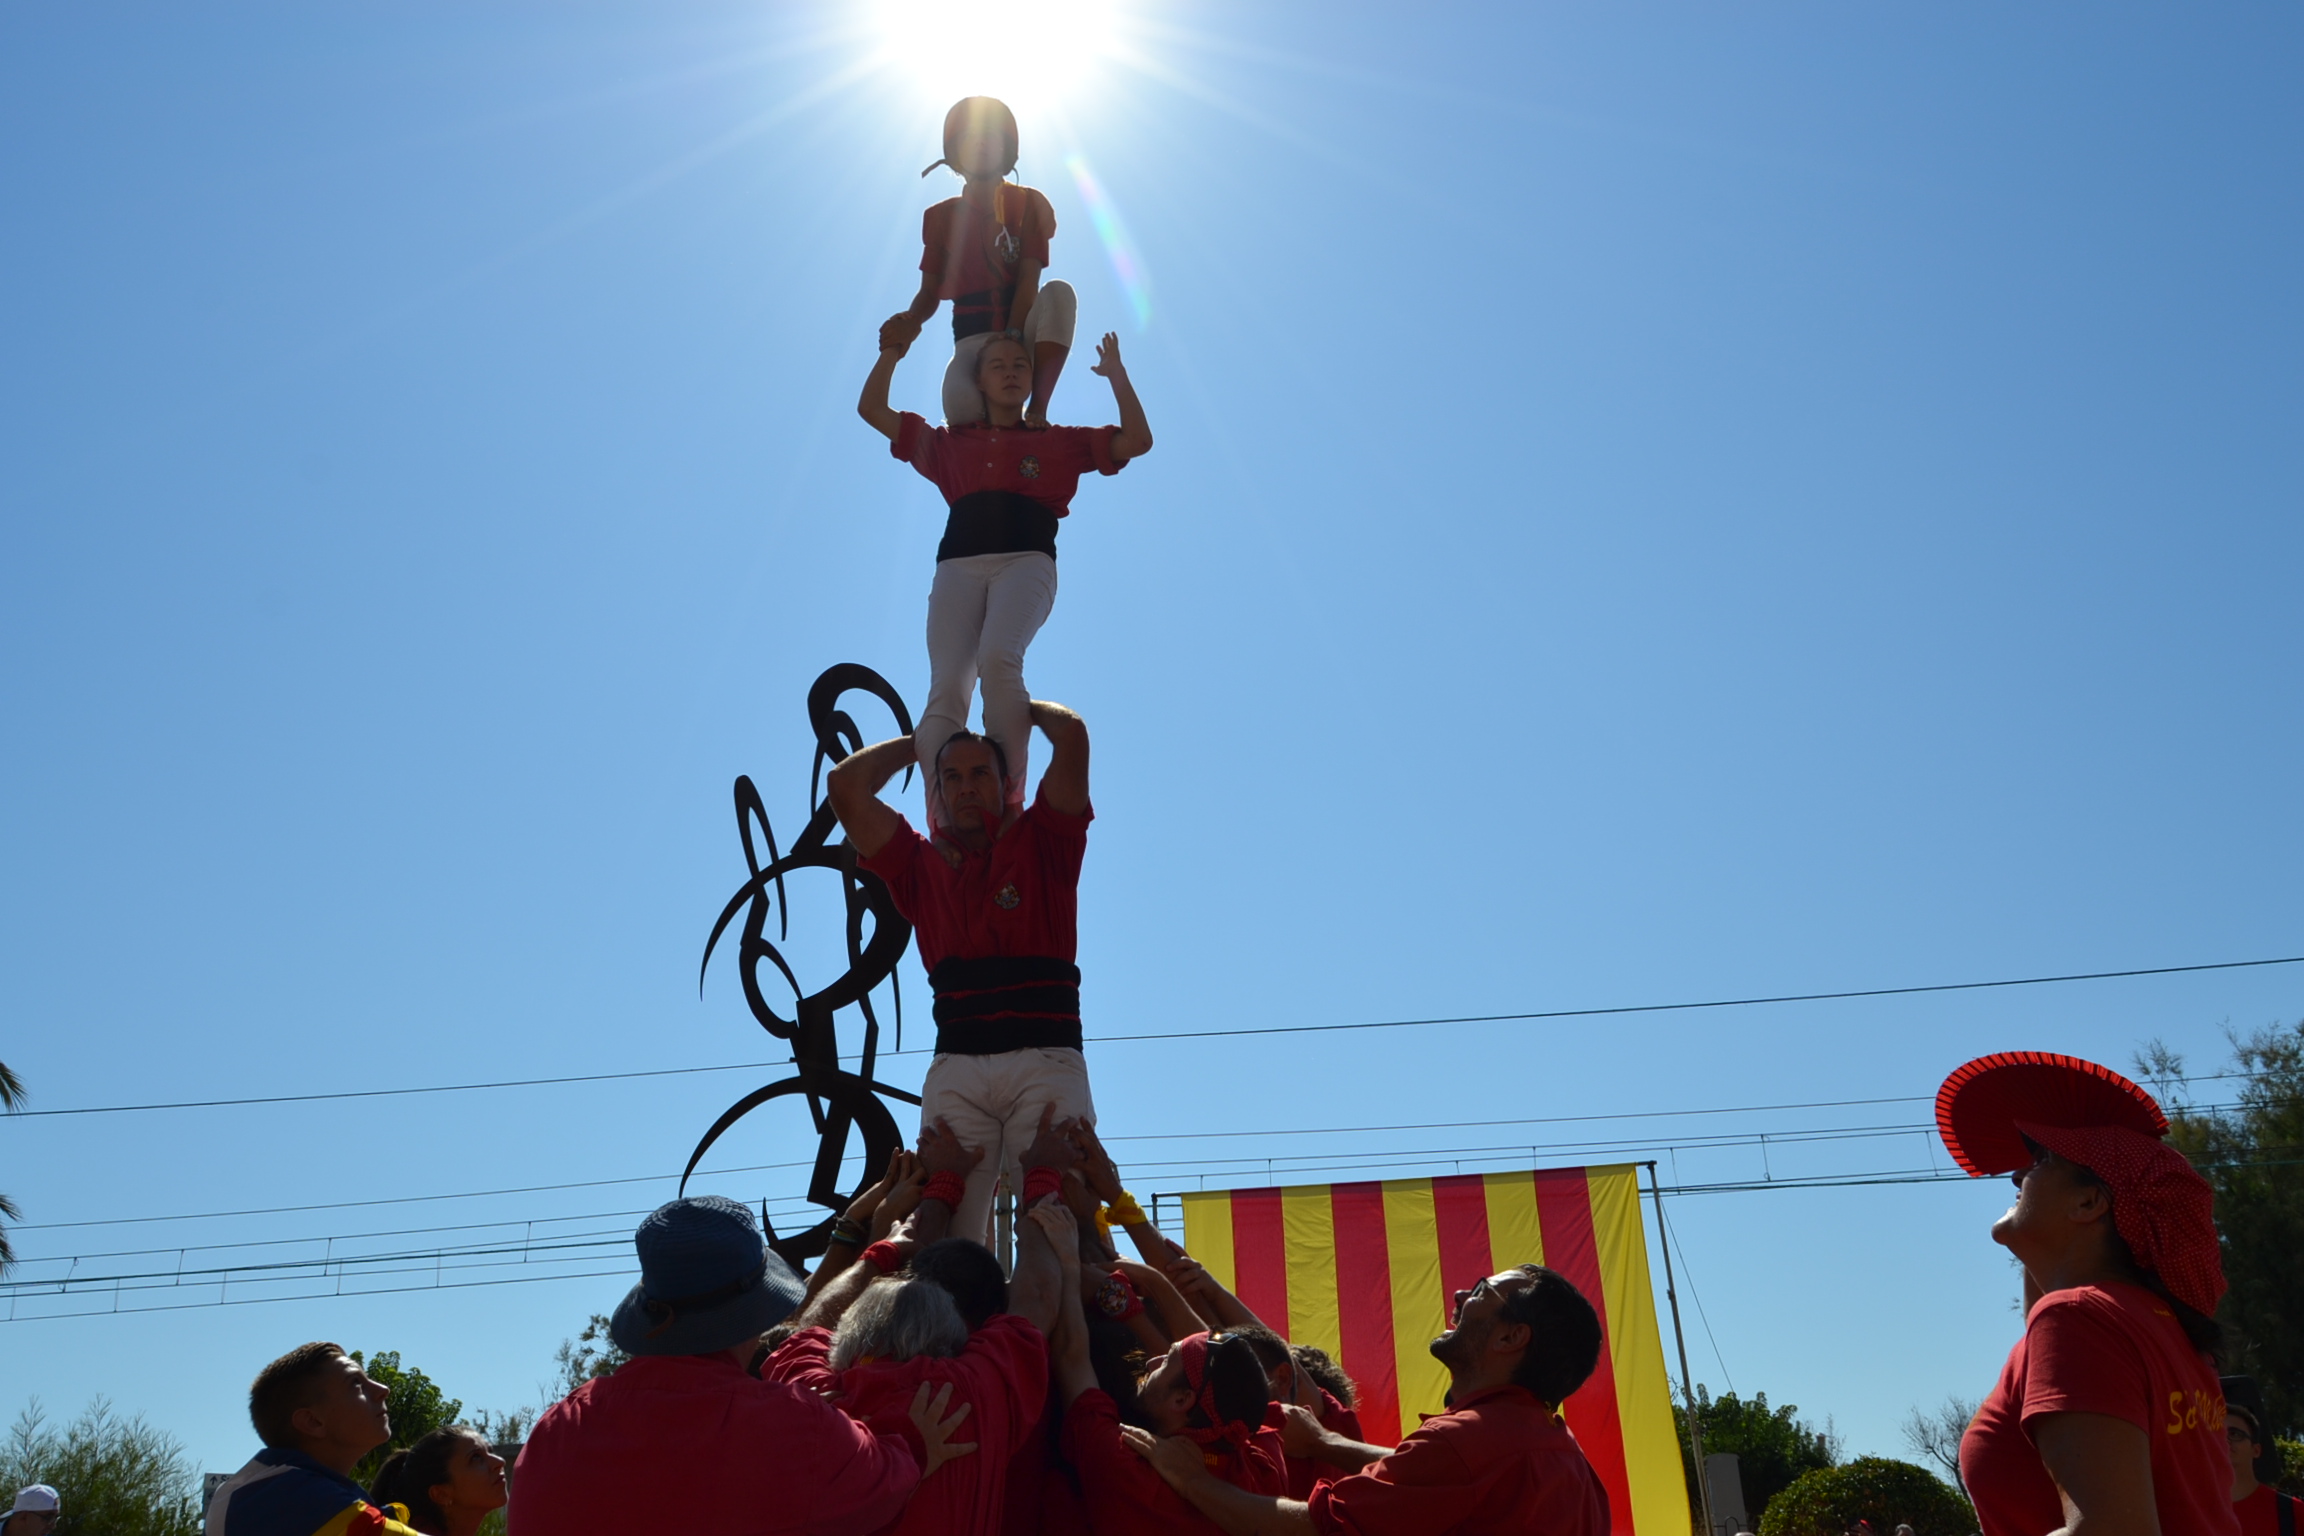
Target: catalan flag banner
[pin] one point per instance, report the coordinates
(1366, 1272)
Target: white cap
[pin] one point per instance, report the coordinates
(39, 1499)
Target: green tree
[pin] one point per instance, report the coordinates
(418, 1407)
(11, 1099)
(2253, 1155)
(1771, 1446)
(591, 1353)
(1888, 1493)
(117, 1477)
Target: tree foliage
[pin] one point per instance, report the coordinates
(2253, 1155)
(591, 1353)
(417, 1405)
(1936, 1436)
(1772, 1447)
(1888, 1493)
(116, 1477)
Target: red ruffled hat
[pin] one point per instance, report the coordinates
(2092, 1116)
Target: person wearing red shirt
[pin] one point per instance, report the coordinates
(1007, 482)
(870, 1343)
(2262, 1509)
(985, 250)
(685, 1426)
(994, 910)
(2109, 1412)
(1499, 1461)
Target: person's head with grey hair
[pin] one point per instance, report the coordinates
(899, 1319)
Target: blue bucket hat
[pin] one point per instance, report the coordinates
(707, 1281)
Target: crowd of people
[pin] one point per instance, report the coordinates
(913, 1383)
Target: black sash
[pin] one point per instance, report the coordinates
(998, 523)
(1006, 1003)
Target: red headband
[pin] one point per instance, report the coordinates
(2161, 1205)
(1192, 1351)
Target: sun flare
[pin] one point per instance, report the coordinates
(1032, 54)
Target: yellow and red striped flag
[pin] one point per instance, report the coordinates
(1366, 1271)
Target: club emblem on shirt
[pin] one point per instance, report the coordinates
(1006, 898)
(1030, 468)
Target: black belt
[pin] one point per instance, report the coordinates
(972, 312)
(998, 523)
(1002, 1003)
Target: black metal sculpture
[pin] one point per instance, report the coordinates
(838, 1100)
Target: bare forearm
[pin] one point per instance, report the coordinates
(873, 405)
(1241, 1513)
(1135, 435)
(1351, 1455)
(833, 1301)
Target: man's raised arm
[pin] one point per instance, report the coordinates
(854, 788)
(1065, 784)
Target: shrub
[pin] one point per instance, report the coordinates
(1887, 1493)
(1771, 1445)
(117, 1477)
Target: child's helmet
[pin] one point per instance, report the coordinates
(974, 115)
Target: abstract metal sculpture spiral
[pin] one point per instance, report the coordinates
(838, 1100)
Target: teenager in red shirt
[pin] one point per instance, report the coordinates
(2263, 1510)
(985, 250)
(1499, 1463)
(994, 908)
(2109, 1409)
(1007, 483)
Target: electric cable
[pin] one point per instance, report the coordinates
(1197, 1034)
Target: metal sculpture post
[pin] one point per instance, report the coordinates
(839, 1101)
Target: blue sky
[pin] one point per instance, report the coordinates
(1651, 503)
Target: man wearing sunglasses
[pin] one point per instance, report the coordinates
(1498, 1461)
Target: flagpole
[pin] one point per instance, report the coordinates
(1687, 1383)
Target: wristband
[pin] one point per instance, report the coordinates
(849, 1232)
(883, 1257)
(1126, 1212)
(1116, 1298)
(1104, 1220)
(947, 1187)
(1039, 1183)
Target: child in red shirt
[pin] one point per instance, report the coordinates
(985, 250)
(1007, 483)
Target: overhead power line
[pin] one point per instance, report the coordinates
(1190, 1034)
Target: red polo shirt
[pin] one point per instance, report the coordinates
(2259, 1513)
(1498, 1463)
(1125, 1497)
(1002, 1375)
(2116, 1350)
(1020, 897)
(1043, 463)
(691, 1443)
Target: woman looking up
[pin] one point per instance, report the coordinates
(448, 1482)
(2108, 1419)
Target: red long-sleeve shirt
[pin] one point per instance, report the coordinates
(1499, 1464)
(1002, 1375)
(691, 1443)
(1125, 1497)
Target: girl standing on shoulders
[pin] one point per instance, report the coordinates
(1007, 484)
(985, 250)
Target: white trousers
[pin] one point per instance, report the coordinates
(983, 611)
(994, 1102)
(1054, 314)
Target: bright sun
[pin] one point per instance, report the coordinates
(1032, 54)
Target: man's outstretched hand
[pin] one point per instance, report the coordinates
(941, 1152)
(1052, 1143)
